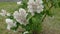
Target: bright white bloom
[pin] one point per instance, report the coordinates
(22, 12)
(19, 2)
(8, 14)
(8, 27)
(20, 16)
(16, 15)
(35, 6)
(3, 12)
(25, 32)
(10, 23)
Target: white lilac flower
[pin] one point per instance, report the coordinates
(25, 32)
(35, 6)
(8, 27)
(8, 14)
(10, 23)
(20, 16)
(16, 14)
(23, 12)
(19, 2)
(3, 12)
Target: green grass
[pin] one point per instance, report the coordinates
(8, 6)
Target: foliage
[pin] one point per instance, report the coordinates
(35, 22)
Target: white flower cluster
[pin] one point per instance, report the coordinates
(19, 2)
(25, 32)
(35, 6)
(20, 16)
(10, 23)
(4, 13)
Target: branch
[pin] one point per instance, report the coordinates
(45, 13)
(43, 17)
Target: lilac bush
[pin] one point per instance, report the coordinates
(29, 15)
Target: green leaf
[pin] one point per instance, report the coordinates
(48, 12)
(24, 4)
(59, 4)
(35, 23)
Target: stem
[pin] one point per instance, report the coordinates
(43, 17)
(35, 32)
(52, 4)
(45, 13)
